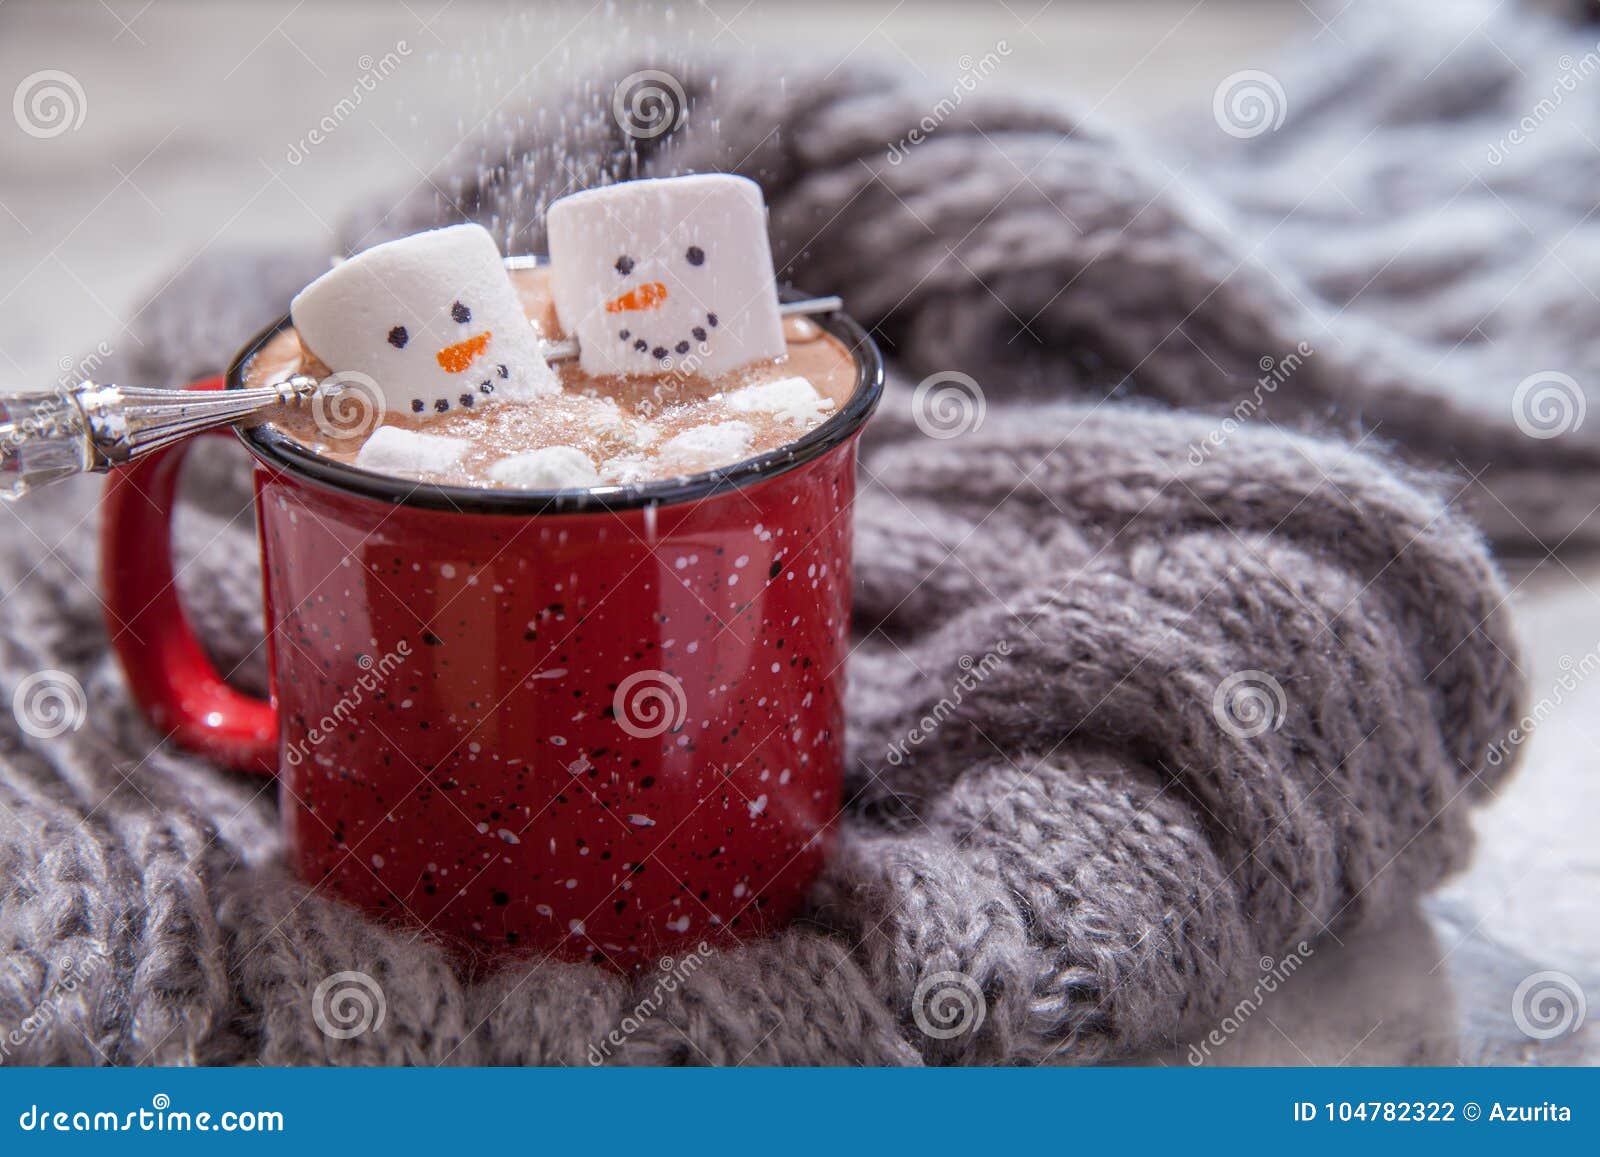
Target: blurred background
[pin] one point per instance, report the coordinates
(196, 117)
(192, 131)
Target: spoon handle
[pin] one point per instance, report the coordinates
(48, 436)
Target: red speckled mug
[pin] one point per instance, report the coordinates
(605, 725)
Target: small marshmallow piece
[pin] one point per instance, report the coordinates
(666, 273)
(433, 319)
(645, 434)
(627, 468)
(793, 398)
(392, 450)
(698, 448)
(721, 444)
(548, 468)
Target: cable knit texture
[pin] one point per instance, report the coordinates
(1072, 833)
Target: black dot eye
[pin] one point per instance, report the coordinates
(695, 255)
(624, 265)
(398, 337)
(461, 313)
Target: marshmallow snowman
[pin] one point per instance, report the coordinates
(666, 274)
(432, 319)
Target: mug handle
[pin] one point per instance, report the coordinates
(170, 675)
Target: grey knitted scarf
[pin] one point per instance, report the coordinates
(1147, 686)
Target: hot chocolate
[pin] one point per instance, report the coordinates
(597, 430)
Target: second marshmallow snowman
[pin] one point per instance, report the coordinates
(663, 274)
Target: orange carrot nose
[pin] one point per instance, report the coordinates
(646, 296)
(455, 358)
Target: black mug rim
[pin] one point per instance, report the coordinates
(276, 449)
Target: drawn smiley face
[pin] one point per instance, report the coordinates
(458, 358)
(635, 308)
(432, 319)
(666, 274)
